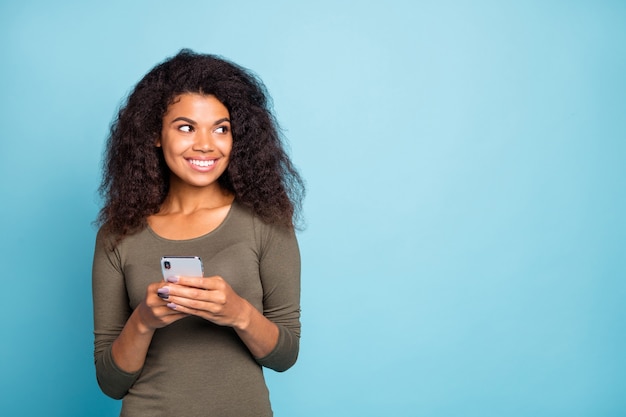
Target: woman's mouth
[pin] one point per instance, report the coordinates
(202, 162)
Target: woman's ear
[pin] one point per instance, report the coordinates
(157, 143)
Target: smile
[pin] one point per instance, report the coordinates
(202, 163)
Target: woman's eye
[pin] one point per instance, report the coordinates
(221, 129)
(185, 128)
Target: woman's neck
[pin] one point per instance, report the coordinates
(185, 199)
(189, 213)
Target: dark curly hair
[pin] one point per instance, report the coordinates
(260, 174)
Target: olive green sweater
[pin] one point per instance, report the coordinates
(194, 367)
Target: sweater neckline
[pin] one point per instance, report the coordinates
(193, 239)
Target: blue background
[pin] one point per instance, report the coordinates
(465, 161)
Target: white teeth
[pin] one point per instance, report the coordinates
(202, 163)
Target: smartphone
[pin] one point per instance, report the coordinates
(187, 266)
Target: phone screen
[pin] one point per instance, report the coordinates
(186, 266)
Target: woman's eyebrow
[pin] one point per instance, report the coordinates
(183, 119)
(191, 122)
(222, 120)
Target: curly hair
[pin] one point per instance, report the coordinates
(260, 174)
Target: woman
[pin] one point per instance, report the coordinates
(194, 166)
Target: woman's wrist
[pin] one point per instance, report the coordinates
(242, 323)
(138, 321)
(258, 333)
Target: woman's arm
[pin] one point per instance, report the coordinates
(122, 336)
(280, 276)
(130, 348)
(213, 299)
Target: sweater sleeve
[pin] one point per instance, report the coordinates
(280, 277)
(111, 311)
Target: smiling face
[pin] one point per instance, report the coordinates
(196, 140)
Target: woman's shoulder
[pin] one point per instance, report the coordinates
(244, 219)
(112, 241)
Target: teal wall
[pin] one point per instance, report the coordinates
(466, 162)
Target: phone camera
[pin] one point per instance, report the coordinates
(167, 264)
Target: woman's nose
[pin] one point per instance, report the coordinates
(203, 141)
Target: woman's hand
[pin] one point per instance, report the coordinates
(211, 298)
(153, 312)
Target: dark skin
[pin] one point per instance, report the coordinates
(196, 143)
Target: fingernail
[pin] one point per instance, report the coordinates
(172, 306)
(163, 292)
(173, 279)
